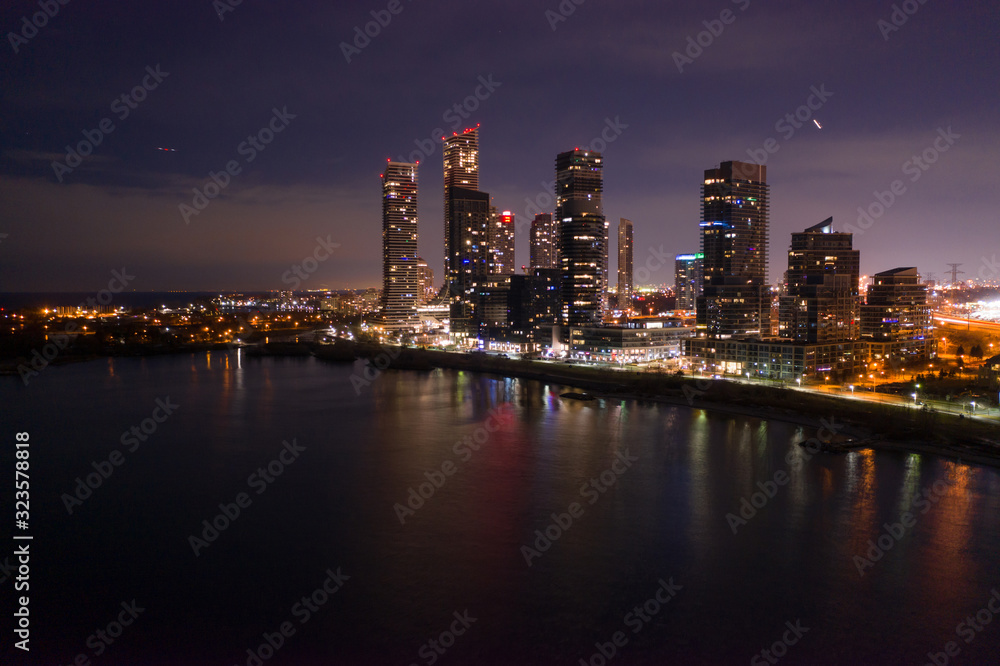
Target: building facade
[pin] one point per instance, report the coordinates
(400, 277)
(688, 280)
(736, 300)
(501, 243)
(821, 301)
(470, 219)
(895, 319)
(583, 236)
(544, 242)
(461, 169)
(625, 283)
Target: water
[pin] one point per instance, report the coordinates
(332, 508)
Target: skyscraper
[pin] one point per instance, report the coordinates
(624, 264)
(469, 229)
(544, 242)
(821, 300)
(400, 284)
(688, 280)
(583, 236)
(734, 236)
(461, 169)
(895, 319)
(501, 242)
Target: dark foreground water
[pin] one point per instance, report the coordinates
(652, 555)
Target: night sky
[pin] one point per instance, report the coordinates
(225, 69)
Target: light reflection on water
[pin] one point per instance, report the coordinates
(665, 516)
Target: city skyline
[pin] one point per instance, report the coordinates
(68, 226)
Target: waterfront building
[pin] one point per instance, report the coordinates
(821, 299)
(736, 299)
(400, 281)
(461, 169)
(583, 237)
(895, 318)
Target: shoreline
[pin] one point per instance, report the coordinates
(877, 426)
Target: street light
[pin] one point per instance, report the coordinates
(852, 389)
(799, 381)
(914, 399)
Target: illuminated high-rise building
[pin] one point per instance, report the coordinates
(583, 236)
(895, 318)
(736, 301)
(821, 300)
(400, 281)
(625, 285)
(461, 169)
(501, 242)
(469, 229)
(544, 242)
(688, 280)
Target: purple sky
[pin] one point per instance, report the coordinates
(553, 90)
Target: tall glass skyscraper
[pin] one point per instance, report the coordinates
(400, 278)
(461, 169)
(469, 229)
(688, 280)
(583, 236)
(501, 242)
(544, 242)
(736, 300)
(625, 285)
